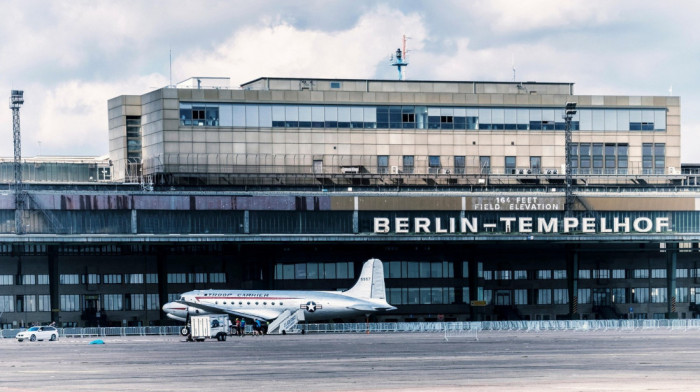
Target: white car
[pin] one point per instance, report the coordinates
(38, 333)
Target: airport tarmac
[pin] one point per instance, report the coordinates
(662, 360)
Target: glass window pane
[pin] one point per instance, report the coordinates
(610, 120)
(239, 115)
(251, 115)
(623, 120)
(265, 112)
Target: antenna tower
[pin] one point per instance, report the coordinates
(400, 60)
(16, 101)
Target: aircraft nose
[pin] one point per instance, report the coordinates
(168, 308)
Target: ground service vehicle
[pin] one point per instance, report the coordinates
(38, 333)
(208, 326)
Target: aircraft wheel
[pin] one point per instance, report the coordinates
(184, 331)
(32, 338)
(53, 338)
(223, 337)
(284, 332)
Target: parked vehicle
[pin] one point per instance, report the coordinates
(38, 333)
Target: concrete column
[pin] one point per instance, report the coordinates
(572, 274)
(134, 222)
(671, 259)
(52, 257)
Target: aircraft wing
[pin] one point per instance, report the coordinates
(220, 309)
(363, 307)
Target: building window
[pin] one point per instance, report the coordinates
(559, 274)
(68, 279)
(7, 303)
(520, 297)
(44, 303)
(618, 296)
(658, 273)
(460, 164)
(382, 164)
(93, 278)
(510, 165)
(7, 280)
(658, 295)
(408, 164)
(544, 297)
(641, 274)
(618, 274)
(152, 278)
(465, 269)
(601, 274)
(544, 274)
(28, 279)
(112, 302)
(485, 165)
(152, 302)
(584, 274)
(42, 279)
(520, 274)
(536, 165)
(434, 164)
(133, 278)
(640, 295)
(584, 296)
(112, 279)
(561, 296)
(335, 84)
(177, 278)
(134, 302)
(200, 277)
(217, 277)
(70, 303)
(681, 294)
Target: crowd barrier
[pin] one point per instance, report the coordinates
(447, 328)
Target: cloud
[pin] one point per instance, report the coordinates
(280, 49)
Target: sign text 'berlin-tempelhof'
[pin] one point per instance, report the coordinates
(417, 225)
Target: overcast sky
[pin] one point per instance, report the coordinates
(70, 57)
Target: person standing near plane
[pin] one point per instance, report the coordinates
(257, 327)
(242, 327)
(238, 326)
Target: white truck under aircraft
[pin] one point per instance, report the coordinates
(209, 326)
(284, 309)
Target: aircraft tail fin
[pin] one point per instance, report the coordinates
(371, 281)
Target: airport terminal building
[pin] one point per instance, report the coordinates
(459, 187)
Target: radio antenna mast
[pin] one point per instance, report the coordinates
(400, 60)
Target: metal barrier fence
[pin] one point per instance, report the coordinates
(413, 327)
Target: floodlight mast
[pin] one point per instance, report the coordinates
(569, 112)
(16, 101)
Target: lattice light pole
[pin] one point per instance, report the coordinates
(569, 113)
(16, 101)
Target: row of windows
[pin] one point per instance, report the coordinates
(6, 280)
(342, 270)
(418, 269)
(199, 277)
(654, 273)
(107, 278)
(25, 303)
(416, 117)
(420, 296)
(634, 295)
(112, 302)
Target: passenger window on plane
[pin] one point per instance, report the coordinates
(216, 302)
(224, 302)
(264, 303)
(256, 303)
(240, 302)
(248, 303)
(273, 304)
(281, 304)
